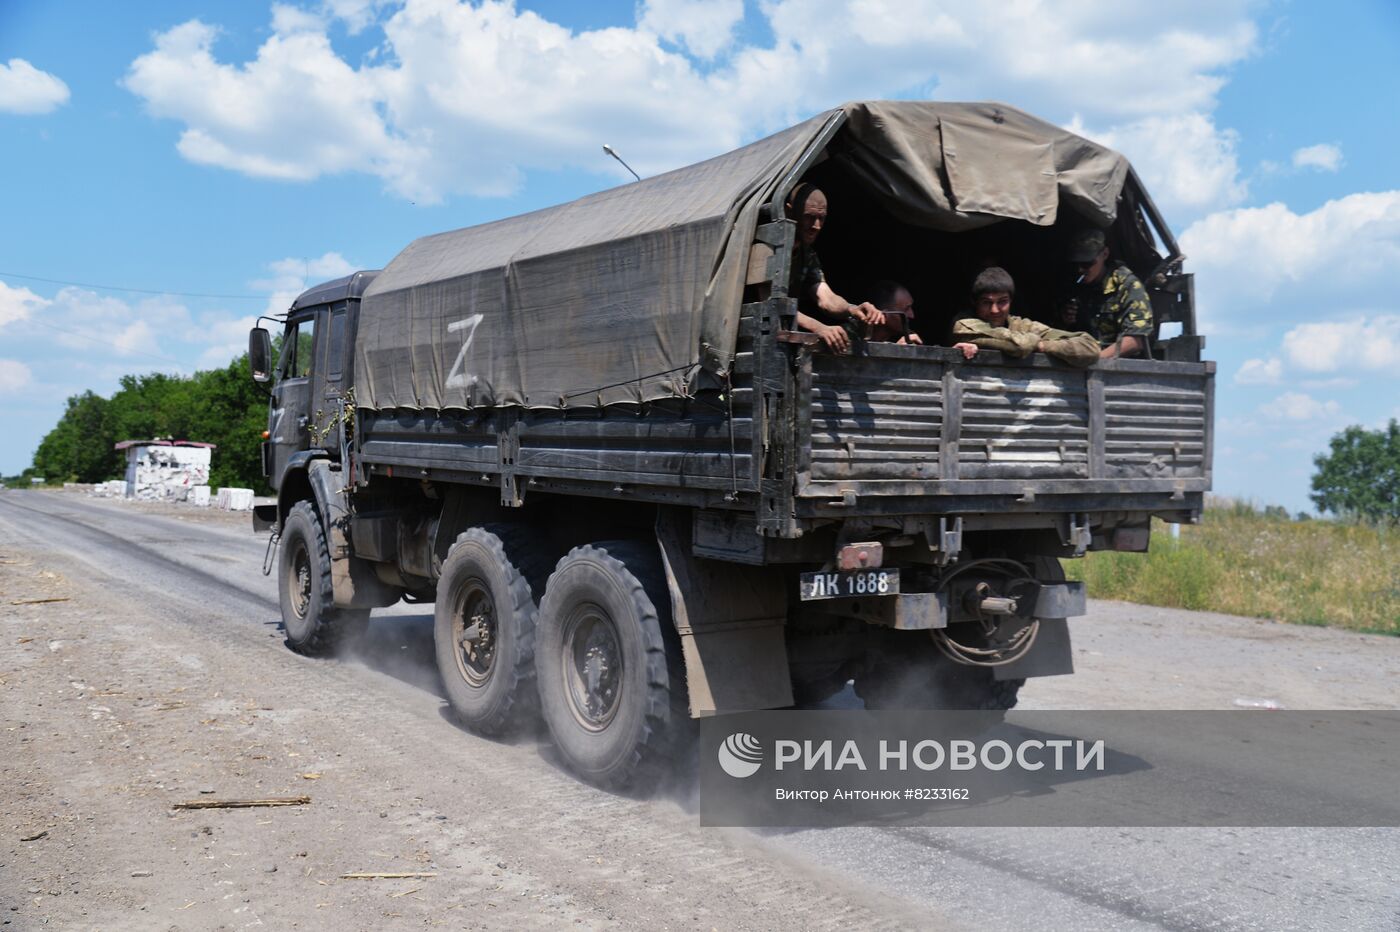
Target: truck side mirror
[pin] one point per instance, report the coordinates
(260, 354)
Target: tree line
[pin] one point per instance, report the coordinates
(221, 406)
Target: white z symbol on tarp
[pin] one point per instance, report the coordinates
(457, 378)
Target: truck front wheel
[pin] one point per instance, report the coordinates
(484, 626)
(611, 679)
(313, 625)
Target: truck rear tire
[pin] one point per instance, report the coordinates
(484, 626)
(611, 678)
(313, 625)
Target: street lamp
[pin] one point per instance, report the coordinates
(613, 152)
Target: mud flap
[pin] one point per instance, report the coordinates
(731, 621)
(264, 517)
(353, 581)
(1050, 656)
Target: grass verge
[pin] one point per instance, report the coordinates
(1243, 561)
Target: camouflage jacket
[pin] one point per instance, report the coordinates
(1119, 307)
(1021, 336)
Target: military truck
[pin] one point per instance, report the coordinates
(636, 494)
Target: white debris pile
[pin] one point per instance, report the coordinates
(114, 489)
(161, 470)
(234, 499)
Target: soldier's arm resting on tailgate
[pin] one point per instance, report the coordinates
(834, 337)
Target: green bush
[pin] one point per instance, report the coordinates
(1242, 560)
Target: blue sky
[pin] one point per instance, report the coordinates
(239, 150)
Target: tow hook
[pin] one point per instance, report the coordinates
(980, 601)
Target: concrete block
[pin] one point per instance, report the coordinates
(235, 499)
(199, 496)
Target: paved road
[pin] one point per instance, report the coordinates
(167, 650)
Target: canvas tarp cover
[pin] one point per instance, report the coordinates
(633, 294)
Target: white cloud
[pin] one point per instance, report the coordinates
(14, 375)
(288, 19)
(238, 117)
(1352, 242)
(1259, 372)
(704, 27)
(17, 303)
(25, 89)
(1184, 159)
(1110, 62)
(290, 277)
(1323, 156)
(227, 338)
(1296, 406)
(87, 322)
(1356, 343)
(465, 98)
(356, 14)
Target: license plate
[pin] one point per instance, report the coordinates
(846, 585)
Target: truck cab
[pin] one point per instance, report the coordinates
(312, 376)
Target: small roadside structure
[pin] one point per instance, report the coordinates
(166, 470)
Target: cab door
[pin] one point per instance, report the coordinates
(289, 422)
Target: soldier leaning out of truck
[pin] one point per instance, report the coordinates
(819, 309)
(1113, 303)
(897, 304)
(996, 328)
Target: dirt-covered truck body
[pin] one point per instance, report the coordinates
(636, 492)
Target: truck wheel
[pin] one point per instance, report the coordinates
(313, 625)
(484, 625)
(914, 675)
(611, 678)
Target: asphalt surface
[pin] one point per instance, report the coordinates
(198, 578)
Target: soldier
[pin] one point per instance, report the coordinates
(819, 309)
(897, 304)
(1111, 298)
(994, 327)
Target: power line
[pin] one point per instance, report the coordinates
(175, 294)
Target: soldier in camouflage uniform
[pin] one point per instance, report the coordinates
(996, 328)
(819, 309)
(1112, 301)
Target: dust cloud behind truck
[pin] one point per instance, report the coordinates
(637, 494)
